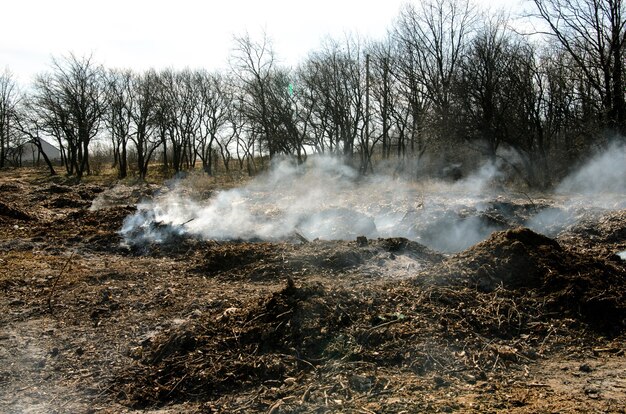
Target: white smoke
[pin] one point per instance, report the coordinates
(604, 174)
(597, 186)
(482, 181)
(325, 199)
(270, 207)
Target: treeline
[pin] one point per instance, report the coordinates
(447, 84)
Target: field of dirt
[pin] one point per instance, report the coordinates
(520, 322)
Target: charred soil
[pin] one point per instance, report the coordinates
(519, 322)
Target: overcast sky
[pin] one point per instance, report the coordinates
(140, 34)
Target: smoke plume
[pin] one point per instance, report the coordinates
(324, 199)
(597, 186)
(327, 199)
(604, 174)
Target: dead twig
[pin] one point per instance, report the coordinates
(612, 350)
(300, 360)
(275, 408)
(306, 395)
(391, 322)
(177, 384)
(56, 281)
(300, 237)
(537, 385)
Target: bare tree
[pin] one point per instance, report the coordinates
(382, 91)
(566, 103)
(485, 86)
(237, 123)
(334, 79)
(411, 114)
(118, 115)
(9, 100)
(434, 35)
(145, 118)
(273, 108)
(27, 122)
(180, 89)
(593, 32)
(289, 114)
(69, 103)
(253, 63)
(214, 109)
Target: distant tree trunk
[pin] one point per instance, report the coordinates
(123, 163)
(165, 161)
(37, 143)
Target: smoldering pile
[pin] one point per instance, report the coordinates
(328, 200)
(324, 199)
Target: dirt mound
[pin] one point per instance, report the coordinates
(381, 259)
(512, 258)
(606, 229)
(97, 229)
(337, 223)
(109, 219)
(505, 210)
(14, 212)
(278, 337)
(57, 189)
(123, 195)
(454, 230)
(522, 259)
(340, 255)
(11, 187)
(332, 255)
(70, 200)
(220, 258)
(410, 248)
(309, 339)
(80, 228)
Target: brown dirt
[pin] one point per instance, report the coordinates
(518, 323)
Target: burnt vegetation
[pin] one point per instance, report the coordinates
(381, 325)
(514, 301)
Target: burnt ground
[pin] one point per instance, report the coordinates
(517, 323)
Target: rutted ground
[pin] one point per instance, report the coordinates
(518, 323)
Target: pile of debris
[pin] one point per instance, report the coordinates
(573, 281)
(299, 324)
(488, 308)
